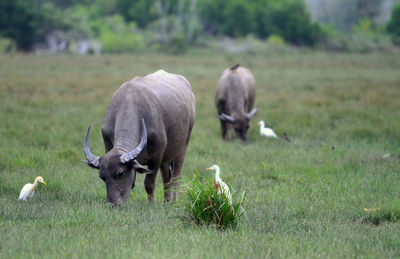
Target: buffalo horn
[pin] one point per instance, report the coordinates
(252, 113)
(225, 117)
(92, 160)
(130, 156)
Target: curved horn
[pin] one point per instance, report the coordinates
(92, 160)
(226, 118)
(252, 113)
(130, 156)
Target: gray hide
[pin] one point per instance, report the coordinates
(234, 99)
(148, 122)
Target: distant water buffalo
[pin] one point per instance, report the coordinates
(234, 99)
(148, 122)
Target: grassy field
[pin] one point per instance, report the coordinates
(304, 198)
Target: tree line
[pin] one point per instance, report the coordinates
(123, 25)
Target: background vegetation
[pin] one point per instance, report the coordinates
(116, 26)
(303, 199)
(394, 24)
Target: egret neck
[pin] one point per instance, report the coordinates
(217, 178)
(35, 183)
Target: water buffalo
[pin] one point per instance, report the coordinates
(234, 99)
(148, 122)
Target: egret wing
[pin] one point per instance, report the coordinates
(24, 194)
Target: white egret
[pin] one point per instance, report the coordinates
(265, 131)
(29, 189)
(222, 187)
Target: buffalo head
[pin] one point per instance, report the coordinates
(240, 122)
(117, 168)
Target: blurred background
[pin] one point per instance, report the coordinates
(177, 26)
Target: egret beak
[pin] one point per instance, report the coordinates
(208, 168)
(44, 183)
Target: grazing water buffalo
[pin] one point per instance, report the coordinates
(148, 122)
(234, 99)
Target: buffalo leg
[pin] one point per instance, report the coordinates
(225, 128)
(108, 144)
(150, 181)
(166, 176)
(177, 174)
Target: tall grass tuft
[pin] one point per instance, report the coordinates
(380, 216)
(204, 206)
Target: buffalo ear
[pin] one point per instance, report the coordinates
(140, 169)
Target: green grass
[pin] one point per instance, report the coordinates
(303, 199)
